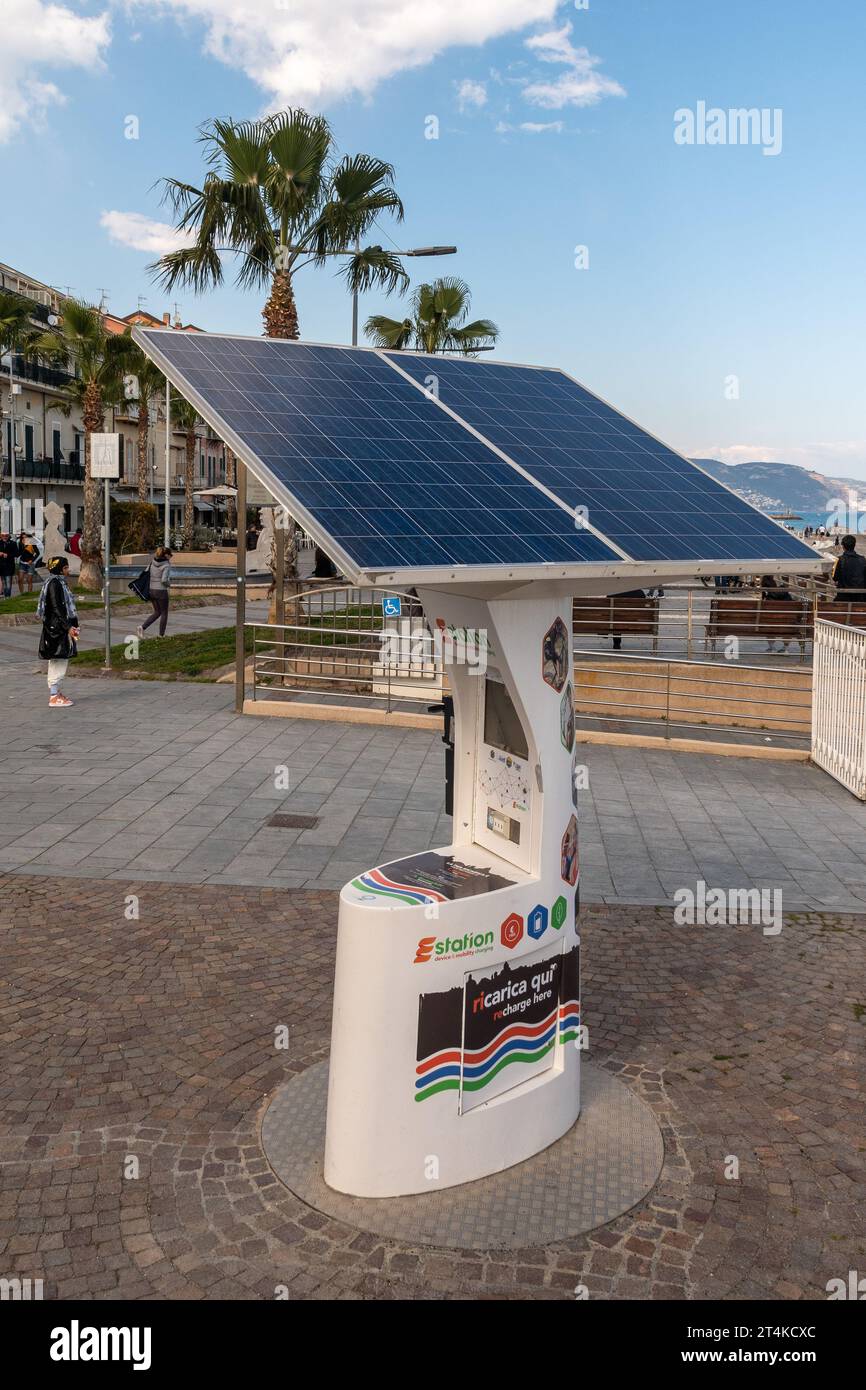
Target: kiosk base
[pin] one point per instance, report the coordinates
(601, 1167)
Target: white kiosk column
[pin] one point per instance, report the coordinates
(455, 1041)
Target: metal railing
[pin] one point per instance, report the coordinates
(695, 623)
(839, 704)
(682, 698)
(337, 644)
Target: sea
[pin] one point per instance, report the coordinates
(849, 520)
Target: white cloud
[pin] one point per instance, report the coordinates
(470, 94)
(35, 35)
(530, 127)
(142, 233)
(580, 85)
(308, 52)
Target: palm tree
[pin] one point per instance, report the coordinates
(150, 390)
(437, 323)
(275, 194)
(99, 359)
(15, 327)
(16, 332)
(185, 417)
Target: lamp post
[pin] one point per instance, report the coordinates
(12, 498)
(414, 251)
(348, 251)
(167, 526)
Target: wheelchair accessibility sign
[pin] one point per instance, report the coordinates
(391, 607)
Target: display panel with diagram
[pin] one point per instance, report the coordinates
(503, 789)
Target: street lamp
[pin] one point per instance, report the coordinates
(414, 251)
(347, 251)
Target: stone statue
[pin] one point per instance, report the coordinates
(53, 539)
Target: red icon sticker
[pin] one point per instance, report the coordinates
(512, 929)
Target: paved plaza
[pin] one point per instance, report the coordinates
(163, 781)
(156, 931)
(147, 1047)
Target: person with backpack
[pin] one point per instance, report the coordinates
(58, 642)
(849, 574)
(159, 582)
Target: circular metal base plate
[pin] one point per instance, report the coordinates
(606, 1163)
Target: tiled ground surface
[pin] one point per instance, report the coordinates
(153, 1039)
(164, 781)
(599, 1169)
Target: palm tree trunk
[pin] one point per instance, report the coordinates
(143, 468)
(93, 419)
(280, 314)
(188, 517)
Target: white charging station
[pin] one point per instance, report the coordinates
(455, 1042)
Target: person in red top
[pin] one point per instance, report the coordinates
(75, 543)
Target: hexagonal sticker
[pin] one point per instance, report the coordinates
(558, 913)
(536, 922)
(511, 930)
(569, 860)
(566, 718)
(554, 655)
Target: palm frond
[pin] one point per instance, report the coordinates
(374, 266)
(389, 333)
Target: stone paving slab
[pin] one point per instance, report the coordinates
(146, 1045)
(127, 780)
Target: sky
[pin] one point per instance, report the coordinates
(611, 215)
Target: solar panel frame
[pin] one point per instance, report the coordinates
(309, 450)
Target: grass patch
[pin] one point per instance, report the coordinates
(188, 655)
(26, 603)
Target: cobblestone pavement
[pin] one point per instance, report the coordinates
(163, 781)
(153, 1040)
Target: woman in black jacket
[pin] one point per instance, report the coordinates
(57, 644)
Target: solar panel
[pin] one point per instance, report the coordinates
(354, 450)
(638, 493)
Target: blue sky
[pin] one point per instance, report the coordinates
(707, 263)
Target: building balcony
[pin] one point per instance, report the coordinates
(28, 371)
(44, 470)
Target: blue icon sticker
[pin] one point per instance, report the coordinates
(536, 922)
(391, 607)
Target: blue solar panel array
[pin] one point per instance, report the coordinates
(638, 493)
(383, 470)
(397, 482)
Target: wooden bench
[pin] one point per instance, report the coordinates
(848, 614)
(773, 619)
(616, 616)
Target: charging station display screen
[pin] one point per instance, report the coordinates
(502, 726)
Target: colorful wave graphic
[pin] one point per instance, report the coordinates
(518, 1042)
(569, 1020)
(375, 881)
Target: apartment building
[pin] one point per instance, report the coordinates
(46, 446)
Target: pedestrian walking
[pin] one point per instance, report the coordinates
(8, 557)
(75, 543)
(159, 574)
(29, 556)
(58, 642)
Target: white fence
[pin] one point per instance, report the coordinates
(839, 704)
